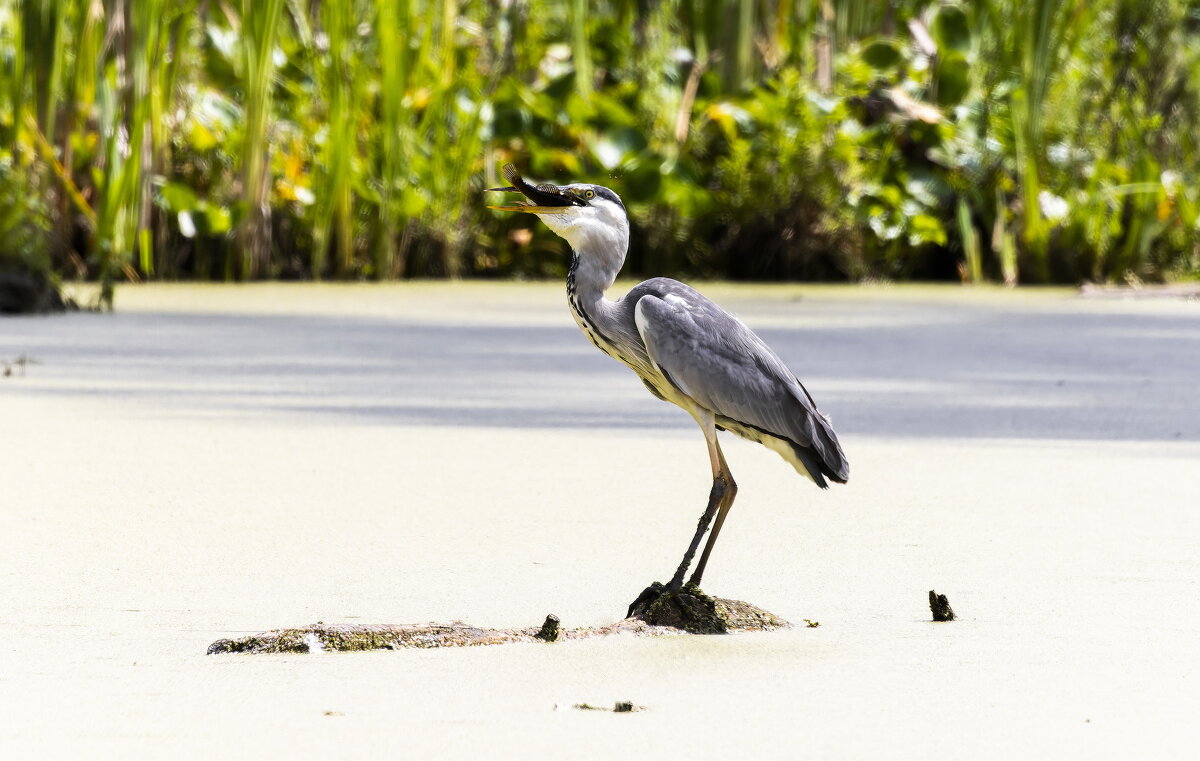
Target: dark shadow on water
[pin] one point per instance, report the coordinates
(935, 370)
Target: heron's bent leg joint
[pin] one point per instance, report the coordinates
(719, 487)
(725, 502)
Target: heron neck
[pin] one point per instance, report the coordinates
(592, 276)
(599, 251)
(587, 280)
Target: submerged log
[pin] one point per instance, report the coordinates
(736, 616)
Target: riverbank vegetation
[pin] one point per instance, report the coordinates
(1044, 141)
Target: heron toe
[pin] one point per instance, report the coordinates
(648, 595)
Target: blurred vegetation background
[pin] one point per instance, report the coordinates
(1009, 140)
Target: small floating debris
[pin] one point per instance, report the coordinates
(549, 630)
(621, 706)
(940, 606)
(16, 366)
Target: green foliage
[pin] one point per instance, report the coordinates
(951, 29)
(24, 219)
(1051, 140)
(882, 54)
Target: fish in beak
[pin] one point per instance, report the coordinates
(543, 199)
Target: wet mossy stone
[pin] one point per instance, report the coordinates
(693, 611)
(688, 609)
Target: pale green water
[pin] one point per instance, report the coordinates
(170, 481)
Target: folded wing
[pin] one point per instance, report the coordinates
(713, 358)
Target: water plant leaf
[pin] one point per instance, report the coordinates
(882, 54)
(953, 79)
(951, 29)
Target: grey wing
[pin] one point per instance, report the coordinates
(713, 358)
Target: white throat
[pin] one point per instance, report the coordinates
(599, 237)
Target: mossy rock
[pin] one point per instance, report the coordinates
(695, 612)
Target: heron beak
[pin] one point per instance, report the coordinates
(543, 199)
(532, 209)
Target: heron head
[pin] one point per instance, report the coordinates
(589, 217)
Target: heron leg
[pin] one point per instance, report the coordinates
(715, 498)
(730, 492)
(722, 484)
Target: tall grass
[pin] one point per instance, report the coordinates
(581, 54)
(349, 138)
(260, 23)
(1041, 38)
(343, 74)
(393, 22)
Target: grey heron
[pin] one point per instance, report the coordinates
(686, 350)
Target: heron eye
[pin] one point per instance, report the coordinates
(589, 194)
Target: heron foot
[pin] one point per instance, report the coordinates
(687, 608)
(647, 596)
